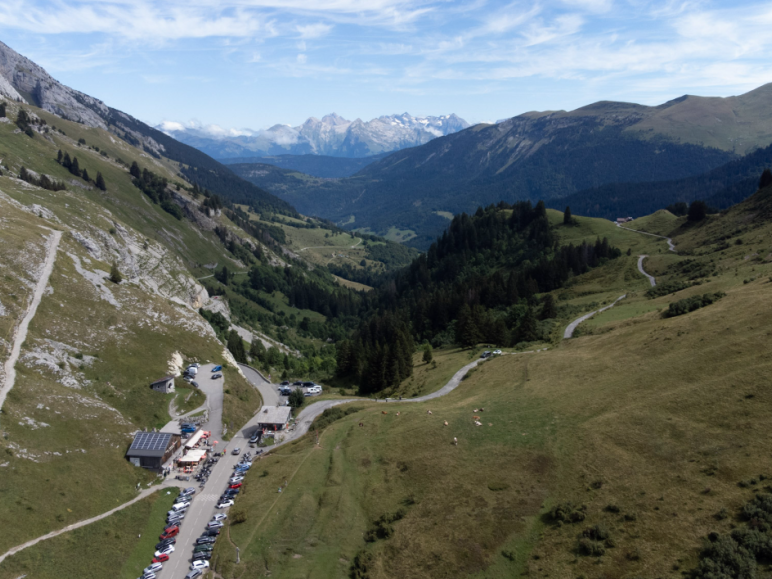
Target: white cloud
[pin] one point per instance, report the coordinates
(301, 58)
(316, 30)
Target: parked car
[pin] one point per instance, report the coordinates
(168, 550)
(166, 542)
(215, 525)
(193, 574)
(170, 534)
(222, 505)
(205, 540)
(216, 376)
(309, 384)
(236, 485)
(200, 564)
(153, 568)
(202, 556)
(213, 532)
(314, 390)
(216, 368)
(162, 558)
(285, 391)
(285, 383)
(148, 576)
(236, 451)
(254, 438)
(485, 354)
(195, 384)
(220, 517)
(235, 479)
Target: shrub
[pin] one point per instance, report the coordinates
(362, 564)
(239, 516)
(611, 509)
(596, 533)
(688, 305)
(567, 512)
(590, 548)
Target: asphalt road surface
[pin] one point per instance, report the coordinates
(202, 508)
(572, 326)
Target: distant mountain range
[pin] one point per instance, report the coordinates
(24, 81)
(537, 155)
(333, 136)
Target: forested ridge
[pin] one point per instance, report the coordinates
(478, 282)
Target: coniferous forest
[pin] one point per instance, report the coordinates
(478, 282)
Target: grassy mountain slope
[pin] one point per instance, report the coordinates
(645, 424)
(720, 187)
(93, 346)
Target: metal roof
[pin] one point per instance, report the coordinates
(149, 444)
(164, 379)
(274, 415)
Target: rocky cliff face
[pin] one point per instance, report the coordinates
(23, 80)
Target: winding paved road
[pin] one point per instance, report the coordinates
(652, 281)
(21, 332)
(670, 244)
(569, 333)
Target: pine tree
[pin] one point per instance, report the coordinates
(134, 170)
(59, 156)
(766, 179)
(527, 332)
(66, 161)
(115, 274)
(85, 176)
(236, 347)
(567, 219)
(256, 349)
(75, 168)
(548, 310)
(698, 210)
(2, 110)
(100, 182)
(427, 357)
(467, 332)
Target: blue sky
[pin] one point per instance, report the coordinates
(254, 63)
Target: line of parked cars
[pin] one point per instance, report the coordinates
(234, 483)
(190, 373)
(168, 537)
(311, 388)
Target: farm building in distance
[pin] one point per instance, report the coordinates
(164, 385)
(152, 449)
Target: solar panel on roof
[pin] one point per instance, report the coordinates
(151, 441)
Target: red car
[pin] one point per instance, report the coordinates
(170, 533)
(171, 528)
(235, 486)
(161, 558)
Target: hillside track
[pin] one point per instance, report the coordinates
(569, 332)
(651, 278)
(21, 332)
(670, 244)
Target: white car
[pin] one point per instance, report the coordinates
(220, 517)
(148, 576)
(236, 479)
(215, 525)
(168, 550)
(200, 564)
(314, 390)
(225, 504)
(497, 352)
(152, 568)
